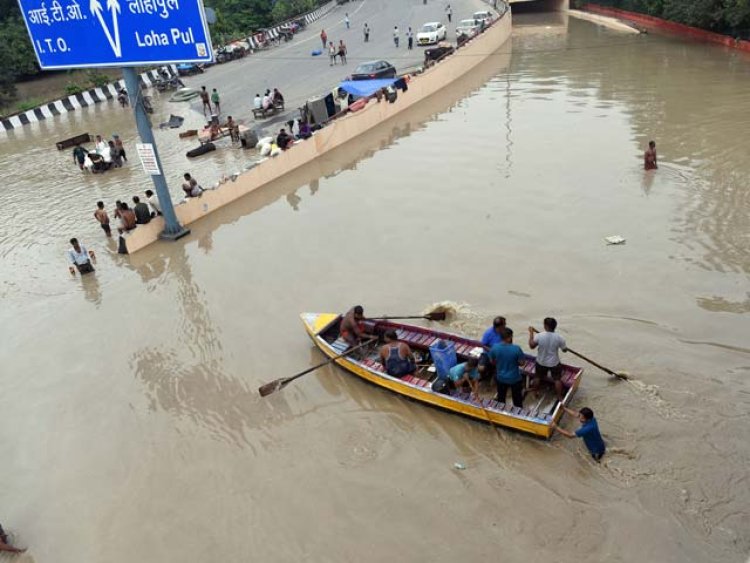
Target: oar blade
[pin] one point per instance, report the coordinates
(272, 387)
(436, 316)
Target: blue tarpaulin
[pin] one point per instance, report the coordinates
(363, 88)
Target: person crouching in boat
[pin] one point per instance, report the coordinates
(396, 356)
(466, 373)
(352, 326)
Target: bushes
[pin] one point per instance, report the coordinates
(731, 17)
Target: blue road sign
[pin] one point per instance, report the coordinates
(89, 33)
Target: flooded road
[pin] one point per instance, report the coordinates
(131, 427)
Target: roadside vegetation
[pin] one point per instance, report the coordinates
(730, 17)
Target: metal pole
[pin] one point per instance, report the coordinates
(172, 228)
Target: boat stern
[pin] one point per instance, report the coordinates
(315, 323)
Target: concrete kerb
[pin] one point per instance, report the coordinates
(331, 136)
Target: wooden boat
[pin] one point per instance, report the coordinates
(534, 418)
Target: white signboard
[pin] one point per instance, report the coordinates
(148, 158)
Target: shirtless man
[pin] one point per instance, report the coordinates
(649, 157)
(101, 215)
(352, 327)
(206, 100)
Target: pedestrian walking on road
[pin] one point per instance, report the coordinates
(216, 101)
(366, 31)
(346, 20)
(323, 38)
(395, 36)
(410, 38)
(332, 53)
(342, 51)
(206, 101)
(449, 12)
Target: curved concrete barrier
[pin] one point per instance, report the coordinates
(333, 135)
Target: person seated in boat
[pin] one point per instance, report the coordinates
(278, 98)
(491, 336)
(267, 100)
(466, 373)
(352, 325)
(396, 356)
(258, 102)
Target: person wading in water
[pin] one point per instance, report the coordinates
(649, 157)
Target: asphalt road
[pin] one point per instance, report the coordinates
(291, 67)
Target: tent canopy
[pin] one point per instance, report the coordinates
(363, 88)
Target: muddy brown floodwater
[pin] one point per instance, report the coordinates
(130, 426)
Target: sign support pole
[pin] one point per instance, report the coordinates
(172, 228)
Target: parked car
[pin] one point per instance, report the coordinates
(188, 69)
(467, 27)
(374, 69)
(431, 33)
(483, 16)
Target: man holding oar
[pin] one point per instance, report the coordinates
(352, 325)
(548, 357)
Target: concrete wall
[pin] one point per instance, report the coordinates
(334, 135)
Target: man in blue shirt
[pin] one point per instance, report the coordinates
(491, 336)
(508, 358)
(589, 431)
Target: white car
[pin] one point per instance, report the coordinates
(467, 27)
(483, 16)
(431, 33)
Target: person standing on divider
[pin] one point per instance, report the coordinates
(366, 31)
(206, 101)
(216, 101)
(449, 12)
(80, 259)
(395, 36)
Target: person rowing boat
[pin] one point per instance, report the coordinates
(352, 325)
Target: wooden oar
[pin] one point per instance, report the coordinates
(593, 363)
(282, 382)
(436, 316)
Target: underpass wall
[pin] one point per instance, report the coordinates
(333, 135)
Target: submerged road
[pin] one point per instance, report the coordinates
(291, 67)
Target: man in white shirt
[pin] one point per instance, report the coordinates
(153, 201)
(81, 258)
(548, 357)
(258, 102)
